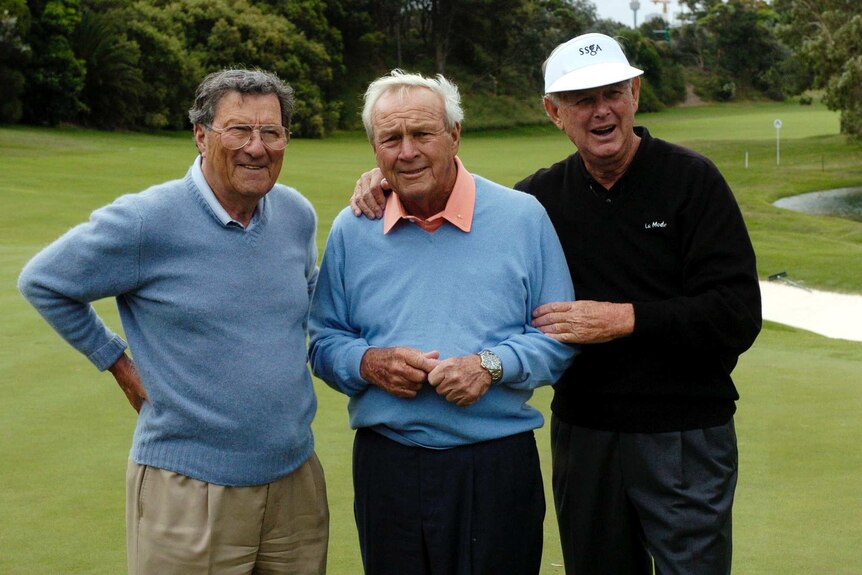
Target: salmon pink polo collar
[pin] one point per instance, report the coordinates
(458, 210)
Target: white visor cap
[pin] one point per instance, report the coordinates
(587, 61)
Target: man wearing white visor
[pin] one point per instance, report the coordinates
(643, 441)
(644, 448)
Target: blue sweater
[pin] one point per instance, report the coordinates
(449, 291)
(215, 316)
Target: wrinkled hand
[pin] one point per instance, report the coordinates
(461, 380)
(127, 377)
(585, 321)
(400, 371)
(368, 197)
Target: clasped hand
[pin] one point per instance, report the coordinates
(402, 371)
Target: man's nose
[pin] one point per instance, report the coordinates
(255, 143)
(601, 107)
(408, 147)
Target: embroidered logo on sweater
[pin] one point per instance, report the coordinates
(651, 225)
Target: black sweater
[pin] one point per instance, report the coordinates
(670, 239)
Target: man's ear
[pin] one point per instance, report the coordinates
(636, 91)
(455, 133)
(553, 112)
(201, 139)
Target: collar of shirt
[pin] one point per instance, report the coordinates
(458, 210)
(214, 204)
(612, 195)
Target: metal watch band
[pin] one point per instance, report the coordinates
(492, 364)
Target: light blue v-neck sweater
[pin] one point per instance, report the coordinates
(215, 316)
(449, 291)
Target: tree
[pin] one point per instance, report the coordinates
(320, 45)
(489, 46)
(827, 37)
(663, 81)
(733, 43)
(503, 43)
(113, 81)
(14, 54)
(179, 41)
(435, 19)
(228, 33)
(745, 46)
(169, 72)
(55, 76)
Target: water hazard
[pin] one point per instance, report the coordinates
(842, 203)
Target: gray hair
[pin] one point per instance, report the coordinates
(402, 81)
(218, 84)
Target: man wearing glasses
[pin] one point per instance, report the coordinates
(212, 275)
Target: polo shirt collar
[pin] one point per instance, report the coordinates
(212, 201)
(458, 211)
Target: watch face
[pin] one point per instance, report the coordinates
(492, 363)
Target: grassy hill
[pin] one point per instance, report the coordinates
(65, 429)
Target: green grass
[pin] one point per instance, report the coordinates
(65, 429)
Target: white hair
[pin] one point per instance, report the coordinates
(402, 81)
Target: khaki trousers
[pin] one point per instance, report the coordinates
(176, 525)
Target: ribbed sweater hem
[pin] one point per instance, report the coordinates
(221, 467)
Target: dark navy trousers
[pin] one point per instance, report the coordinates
(629, 501)
(470, 510)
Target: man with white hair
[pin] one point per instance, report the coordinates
(643, 441)
(423, 320)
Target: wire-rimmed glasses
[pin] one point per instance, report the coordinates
(234, 137)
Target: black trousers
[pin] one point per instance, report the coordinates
(471, 510)
(627, 500)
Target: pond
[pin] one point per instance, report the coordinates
(843, 203)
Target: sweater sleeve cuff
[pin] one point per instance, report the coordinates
(107, 355)
(513, 372)
(648, 318)
(352, 380)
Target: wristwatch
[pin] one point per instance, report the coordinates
(492, 364)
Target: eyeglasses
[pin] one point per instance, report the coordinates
(235, 137)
